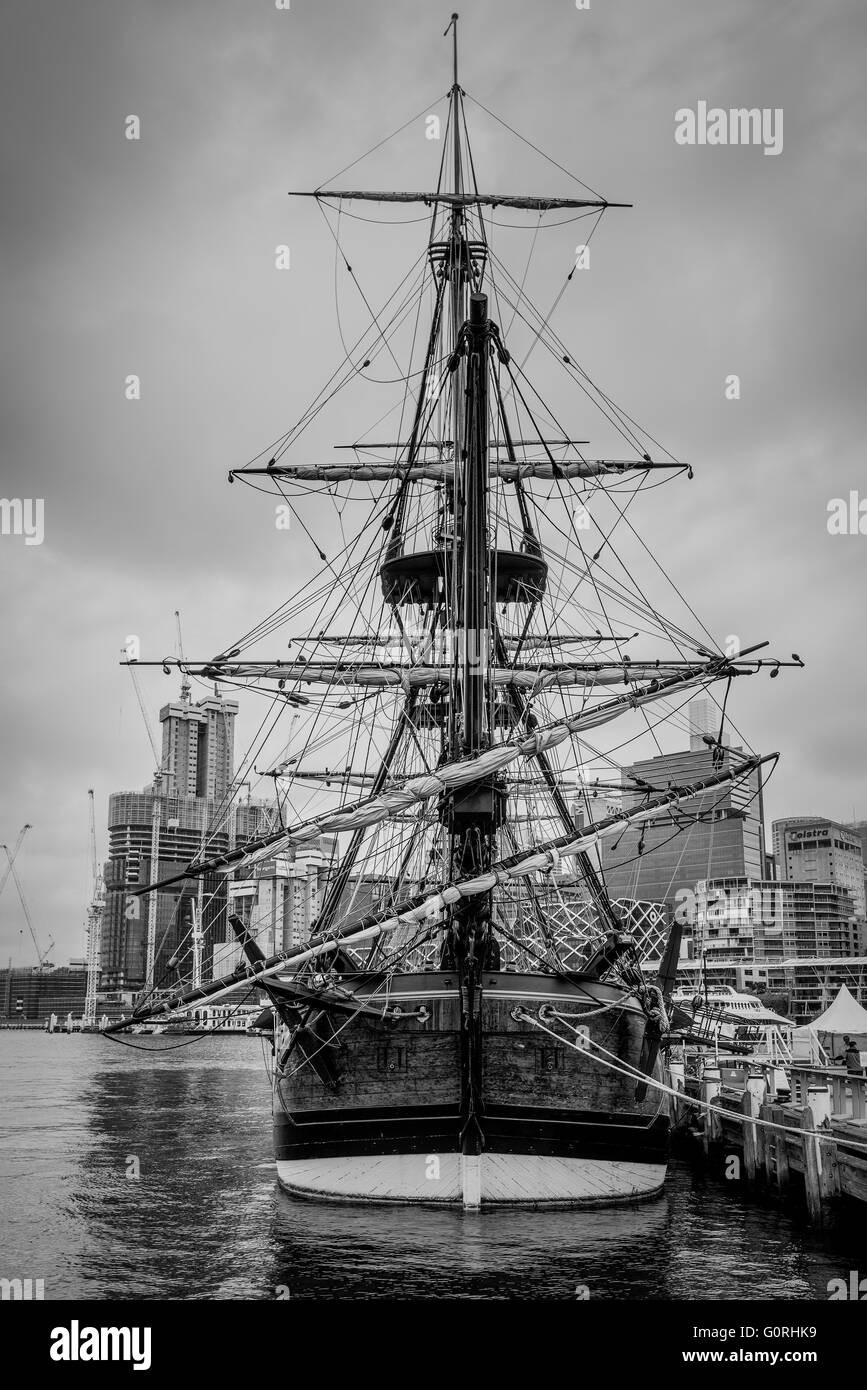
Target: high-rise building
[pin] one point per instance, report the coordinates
(769, 920)
(198, 747)
(858, 828)
(187, 810)
(216, 760)
(704, 719)
(188, 826)
(812, 849)
(180, 757)
(278, 902)
(717, 834)
(183, 830)
(790, 938)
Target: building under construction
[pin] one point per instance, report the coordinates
(31, 994)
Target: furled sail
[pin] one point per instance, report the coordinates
(427, 906)
(531, 679)
(451, 776)
(439, 472)
(458, 200)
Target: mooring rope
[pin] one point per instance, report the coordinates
(633, 1074)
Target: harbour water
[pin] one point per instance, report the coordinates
(145, 1172)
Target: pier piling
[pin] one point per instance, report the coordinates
(815, 1132)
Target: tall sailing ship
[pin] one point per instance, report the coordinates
(471, 1020)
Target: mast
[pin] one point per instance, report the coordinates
(469, 814)
(454, 95)
(456, 272)
(476, 625)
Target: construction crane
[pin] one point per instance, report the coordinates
(146, 717)
(186, 688)
(7, 871)
(41, 956)
(94, 925)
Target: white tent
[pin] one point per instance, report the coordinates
(845, 1015)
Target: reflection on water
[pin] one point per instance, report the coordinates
(204, 1218)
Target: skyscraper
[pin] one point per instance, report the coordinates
(704, 718)
(717, 834)
(216, 754)
(198, 747)
(812, 849)
(859, 829)
(183, 827)
(187, 810)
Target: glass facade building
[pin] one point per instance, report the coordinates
(717, 834)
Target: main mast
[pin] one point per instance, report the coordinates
(469, 815)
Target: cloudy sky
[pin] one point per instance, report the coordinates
(156, 257)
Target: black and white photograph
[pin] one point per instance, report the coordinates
(433, 548)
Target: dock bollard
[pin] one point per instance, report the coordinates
(677, 1082)
(819, 1101)
(812, 1165)
(711, 1084)
(749, 1109)
(757, 1087)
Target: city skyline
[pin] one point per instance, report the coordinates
(165, 269)
(680, 763)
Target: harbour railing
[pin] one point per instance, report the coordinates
(847, 1090)
(805, 1121)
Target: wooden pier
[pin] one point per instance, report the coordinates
(803, 1128)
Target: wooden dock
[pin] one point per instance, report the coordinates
(804, 1128)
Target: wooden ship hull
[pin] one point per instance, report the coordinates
(376, 1110)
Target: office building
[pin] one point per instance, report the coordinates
(812, 849)
(717, 834)
(770, 921)
(798, 941)
(278, 901)
(858, 828)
